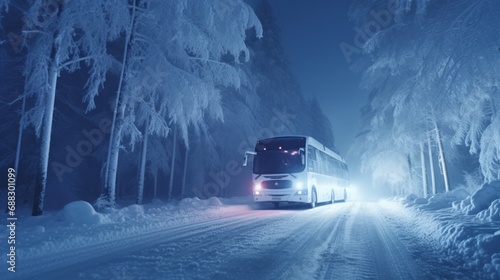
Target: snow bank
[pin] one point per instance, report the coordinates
(133, 212)
(409, 199)
(474, 238)
(435, 202)
(462, 206)
(421, 200)
(481, 199)
(80, 213)
(79, 225)
(443, 200)
(196, 203)
(481, 249)
(492, 213)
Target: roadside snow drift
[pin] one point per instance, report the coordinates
(481, 199)
(80, 213)
(78, 224)
(465, 225)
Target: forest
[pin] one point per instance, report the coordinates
(126, 125)
(117, 102)
(139, 100)
(431, 123)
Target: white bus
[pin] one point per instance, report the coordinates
(297, 169)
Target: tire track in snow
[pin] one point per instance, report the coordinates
(193, 256)
(346, 255)
(392, 256)
(305, 259)
(344, 241)
(367, 249)
(218, 254)
(61, 263)
(284, 249)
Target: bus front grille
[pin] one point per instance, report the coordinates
(277, 184)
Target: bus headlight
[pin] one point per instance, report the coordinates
(299, 185)
(301, 192)
(257, 189)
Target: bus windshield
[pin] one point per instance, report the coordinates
(279, 155)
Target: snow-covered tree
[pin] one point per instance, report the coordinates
(61, 38)
(178, 53)
(4, 5)
(269, 103)
(431, 64)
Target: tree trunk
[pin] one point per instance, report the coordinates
(431, 164)
(493, 107)
(140, 191)
(155, 186)
(184, 173)
(116, 125)
(223, 191)
(45, 134)
(442, 159)
(410, 177)
(112, 163)
(28, 191)
(172, 164)
(19, 137)
(424, 172)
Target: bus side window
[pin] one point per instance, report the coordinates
(331, 166)
(338, 168)
(311, 155)
(346, 171)
(323, 163)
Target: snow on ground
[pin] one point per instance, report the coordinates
(286, 243)
(77, 225)
(466, 226)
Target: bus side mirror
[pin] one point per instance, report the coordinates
(245, 159)
(302, 155)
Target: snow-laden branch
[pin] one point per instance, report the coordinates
(78, 60)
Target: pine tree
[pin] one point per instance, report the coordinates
(176, 60)
(61, 37)
(427, 66)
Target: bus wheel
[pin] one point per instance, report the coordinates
(276, 204)
(332, 198)
(345, 195)
(314, 199)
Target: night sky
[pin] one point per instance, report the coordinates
(312, 32)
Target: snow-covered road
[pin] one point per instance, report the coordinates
(353, 240)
